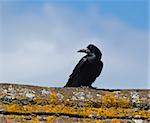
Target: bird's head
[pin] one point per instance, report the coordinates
(92, 49)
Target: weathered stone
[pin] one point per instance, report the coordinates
(24, 103)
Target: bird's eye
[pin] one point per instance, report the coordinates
(90, 47)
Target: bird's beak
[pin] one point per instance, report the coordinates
(86, 50)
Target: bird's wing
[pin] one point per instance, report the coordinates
(77, 69)
(80, 65)
(100, 69)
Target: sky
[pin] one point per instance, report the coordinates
(40, 39)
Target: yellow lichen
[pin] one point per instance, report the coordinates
(115, 121)
(85, 111)
(110, 100)
(51, 119)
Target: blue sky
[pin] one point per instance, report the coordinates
(134, 12)
(34, 32)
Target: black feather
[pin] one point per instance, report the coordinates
(87, 70)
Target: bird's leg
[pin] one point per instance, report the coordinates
(92, 87)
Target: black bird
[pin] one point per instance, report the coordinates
(88, 68)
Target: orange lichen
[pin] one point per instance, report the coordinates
(14, 108)
(34, 120)
(115, 121)
(51, 118)
(110, 100)
(53, 96)
(85, 111)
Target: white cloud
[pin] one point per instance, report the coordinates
(42, 48)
